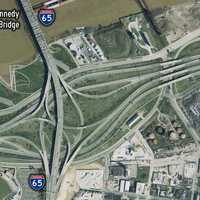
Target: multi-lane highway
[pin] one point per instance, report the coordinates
(44, 51)
(160, 74)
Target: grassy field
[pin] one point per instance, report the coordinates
(143, 174)
(28, 193)
(29, 131)
(62, 54)
(187, 85)
(4, 189)
(16, 47)
(97, 143)
(116, 43)
(92, 12)
(96, 109)
(30, 78)
(9, 94)
(95, 12)
(191, 50)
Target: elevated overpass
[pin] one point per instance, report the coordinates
(42, 46)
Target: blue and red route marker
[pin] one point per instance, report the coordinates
(46, 16)
(37, 182)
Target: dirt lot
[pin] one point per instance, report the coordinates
(69, 185)
(170, 21)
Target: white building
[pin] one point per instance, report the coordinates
(132, 149)
(190, 169)
(124, 186)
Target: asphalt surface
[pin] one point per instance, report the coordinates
(168, 72)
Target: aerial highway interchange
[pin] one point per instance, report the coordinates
(134, 83)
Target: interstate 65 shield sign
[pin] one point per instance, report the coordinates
(37, 182)
(46, 16)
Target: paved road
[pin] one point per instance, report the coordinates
(166, 70)
(48, 60)
(168, 75)
(141, 92)
(184, 119)
(146, 88)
